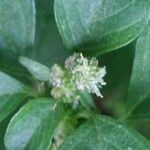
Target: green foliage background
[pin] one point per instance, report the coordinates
(128, 73)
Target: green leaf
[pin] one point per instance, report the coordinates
(38, 70)
(17, 25)
(33, 127)
(12, 93)
(139, 89)
(86, 100)
(106, 134)
(98, 26)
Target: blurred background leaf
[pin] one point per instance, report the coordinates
(118, 65)
(17, 26)
(3, 126)
(139, 91)
(49, 47)
(17, 30)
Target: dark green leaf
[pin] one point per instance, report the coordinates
(139, 90)
(12, 93)
(38, 70)
(14, 68)
(141, 111)
(17, 25)
(104, 133)
(98, 26)
(142, 126)
(118, 65)
(33, 127)
(3, 126)
(50, 49)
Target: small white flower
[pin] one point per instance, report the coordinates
(88, 75)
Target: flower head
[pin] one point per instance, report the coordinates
(78, 73)
(86, 74)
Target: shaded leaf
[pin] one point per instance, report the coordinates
(14, 68)
(139, 90)
(119, 66)
(3, 126)
(141, 111)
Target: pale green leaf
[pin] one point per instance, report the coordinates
(104, 133)
(99, 26)
(38, 70)
(33, 127)
(17, 25)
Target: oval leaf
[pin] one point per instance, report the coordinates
(98, 26)
(33, 127)
(17, 25)
(104, 133)
(12, 93)
(38, 70)
(139, 90)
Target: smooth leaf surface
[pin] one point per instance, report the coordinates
(11, 94)
(38, 70)
(17, 25)
(33, 127)
(105, 133)
(98, 26)
(139, 90)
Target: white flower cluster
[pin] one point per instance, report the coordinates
(78, 73)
